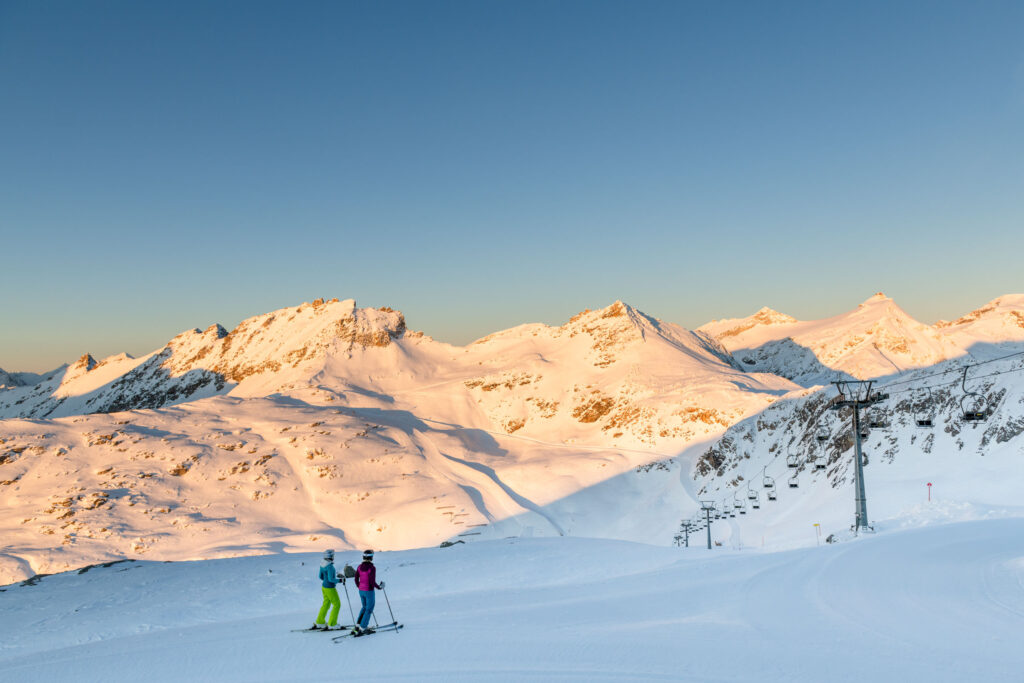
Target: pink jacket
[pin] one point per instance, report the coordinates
(366, 577)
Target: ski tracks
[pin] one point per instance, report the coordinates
(479, 478)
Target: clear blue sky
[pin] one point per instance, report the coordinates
(482, 164)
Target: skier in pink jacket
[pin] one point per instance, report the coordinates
(366, 582)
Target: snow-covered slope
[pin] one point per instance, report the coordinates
(876, 339)
(972, 465)
(327, 421)
(351, 427)
(937, 604)
(229, 476)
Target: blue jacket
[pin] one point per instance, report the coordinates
(327, 574)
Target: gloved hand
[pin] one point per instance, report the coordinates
(342, 578)
(382, 585)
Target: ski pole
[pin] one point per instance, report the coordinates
(389, 607)
(350, 612)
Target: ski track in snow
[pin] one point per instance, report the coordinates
(520, 500)
(940, 603)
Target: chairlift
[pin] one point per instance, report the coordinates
(876, 418)
(793, 460)
(794, 482)
(820, 464)
(924, 408)
(973, 405)
(864, 431)
(738, 504)
(771, 494)
(755, 500)
(822, 434)
(768, 483)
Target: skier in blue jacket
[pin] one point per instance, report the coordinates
(329, 579)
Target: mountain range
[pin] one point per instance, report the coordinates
(330, 421)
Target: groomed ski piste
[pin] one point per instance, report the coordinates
(939, 602)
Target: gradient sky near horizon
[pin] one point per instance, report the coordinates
(477, 165)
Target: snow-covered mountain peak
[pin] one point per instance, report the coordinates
(1009, 306)
(732, 327)
(876, 338)
(8, 379)
(770, 316)
(997, 323)
(264, 352)
(876, 298)
(282, 339)
(611, 326)
(81, 366)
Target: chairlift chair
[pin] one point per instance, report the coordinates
(794, 482)
(771, 494)
(822, 434)
(876, 418)
(738, 504)
(973, 405)
(820, 464)
(924, 409)
(793, 461)
(973, 408)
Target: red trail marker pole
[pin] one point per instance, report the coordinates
(929, 492)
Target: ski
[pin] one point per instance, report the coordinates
(382, 629)
(393, 626)
(321, 630)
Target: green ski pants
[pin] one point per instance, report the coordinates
(331, 600)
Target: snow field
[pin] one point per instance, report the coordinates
(938, 603)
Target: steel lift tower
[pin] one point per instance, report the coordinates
(708, 507)
(856, 395)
